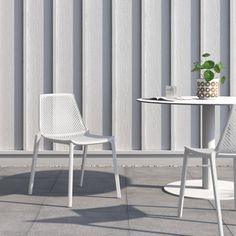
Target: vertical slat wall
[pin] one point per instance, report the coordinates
(7, 104)
(97, 63)
(94, 87)
(122, 73)
(232, 48)
(126, 73)
(64, 49)
(210, 37)
(37, 63)
(109, 53)
(11, 67)
(225, 55)
(184, 51)
(155, 72)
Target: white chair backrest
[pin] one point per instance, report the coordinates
(60, 115)
(227, 142)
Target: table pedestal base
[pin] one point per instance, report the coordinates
(194, 189)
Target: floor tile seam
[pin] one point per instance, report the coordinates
(40, 208)
(207, 200)
(127, 201)
(224, 223)
(188, 171)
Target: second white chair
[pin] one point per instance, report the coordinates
(226, 145)
(61, 122)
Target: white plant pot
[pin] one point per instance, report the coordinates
(208, 90)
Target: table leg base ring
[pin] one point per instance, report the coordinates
(194, 189)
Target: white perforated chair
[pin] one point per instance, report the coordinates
(226, 145)
(61, 122)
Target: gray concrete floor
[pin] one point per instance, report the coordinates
(143, 210)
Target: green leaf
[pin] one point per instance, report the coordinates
(206, 54)
(208, 64)
(222, 79)
(208, 75)
(197, 67)
(218, 67)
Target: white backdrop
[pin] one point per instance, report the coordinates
(108, 53)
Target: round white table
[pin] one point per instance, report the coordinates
(201, 188)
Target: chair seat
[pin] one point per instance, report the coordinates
(198, 151)
(80, 139)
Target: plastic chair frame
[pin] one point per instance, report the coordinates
(72, 145)
(226, 145)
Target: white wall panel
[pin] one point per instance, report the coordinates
(93, 67)
(107, 69)
(63, 46)
(77, 51)
(182, 54)
(210, 38)
(7, 75)
(225, 56)
(11, 74)
(37, 63)
(109, 53)
(125, 74)
(122, 72)
(155, 72)
(232, 48)
(65, 49)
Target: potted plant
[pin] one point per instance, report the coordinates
(208, 85)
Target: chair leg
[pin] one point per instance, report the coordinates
(34, 160)
(234, 183)
(182, 188)
(115, 167)
(215, 188)
(83, 165)
(70, 180)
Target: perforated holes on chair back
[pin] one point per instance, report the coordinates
(227, 143)
(59, 115)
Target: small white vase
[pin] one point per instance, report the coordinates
(208, 89)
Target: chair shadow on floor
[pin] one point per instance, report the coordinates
(94, 217)
(55, 183)
(101, 217)
(96, 185)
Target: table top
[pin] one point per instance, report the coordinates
(192, 100)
